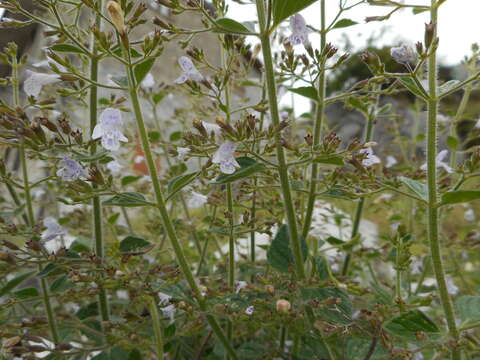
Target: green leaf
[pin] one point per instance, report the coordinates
(248, 167)
(338, 193)
(135, 354)
(330, 159)
(409, 324)
(61, 284)
(89, 157)
(81, 244)
(141, 69)
(453, 142)
(410, 84)
(130, 179)
(69, 48)
(283, 9)
(133, 244)
(127, 199)
(468, 308)
(133, 53)
(306, 91)
(343, 23)
(279, 254)
(179, 182)
(120, 80)
(415, 186)
(338, 312)
(419, 9)
(14, 282)
(322, 268)
(26, 293)
(226, 25)
(460, 196)
(358, 104)
(159, 97)
(446, 87)
(49, 270)
(88, 311)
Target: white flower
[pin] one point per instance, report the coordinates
(391, 161)
(416, 267)
(224, 157)
(164, 299)
(169, 312)
(71, 170)
(212, 128)
(182, 152)
(451, 287)
(371, 159)
(138, 159)
(53, 229)
(148, 82)
(442, 119)
(477, 124)
(403, 55)
(240, 285)
(196, 200)
(190, 72)
(469, 215)
(109, 128)
(249, 310)
(417, 355)
(439, 162)
(115, 167)
(298, 26)
(35, 81)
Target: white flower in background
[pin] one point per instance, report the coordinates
(469, 215)
(442, 119)
(190, 72)
(299, 29)
(182, 152)
(417, 355)
(35, 82)
(416, 266)
(477, 124)
(451, 287)
(249, 310)
(371, 159)
(210, 127)
(115, 167)
(122, 294)
(225, 157)
(394, 226)
(439, 162)
(164, 298)
(240, 285)
(148, 82)
(403, 55)
(71, 170)
(109, 129)
(391, 161)
(197, 200)
(138, 159)
(53, 229)
(169, 312)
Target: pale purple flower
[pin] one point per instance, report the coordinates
(417, 355)
(250, 310)
(190, 72)
(148, 82)
(115, 167)
(416, 267)
(451, 287)
(35, 81)
(299, 29)
(197, 200)
(240, 285)
(109, 128)
(371, 159)
(169, 312)
(182, 152)
(71, 170)
(477, 124)
(403, 55)
(210, 127)
(439, 162)
(469, 215)
(225, 157)
(53, 229)
(164, 299)
(391, 161)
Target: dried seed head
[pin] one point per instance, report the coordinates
(116, 15)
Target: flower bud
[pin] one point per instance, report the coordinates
(197, 124)
(429, 34)
(10, 245)
(283, 306)
(116, 15)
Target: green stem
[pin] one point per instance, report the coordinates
(319, 118)
(282, 165)
(453, 126)
(157, 328)
(167, 222)
(432, 209)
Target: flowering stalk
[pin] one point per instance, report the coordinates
(319, 118)
(167, 222)
(432, 207)
(97, 207)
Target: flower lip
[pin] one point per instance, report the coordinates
(109, 129)
(224, 156)
(190, 72)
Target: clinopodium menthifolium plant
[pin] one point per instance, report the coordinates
(160, 201)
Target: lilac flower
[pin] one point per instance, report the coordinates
(35, 81)
(403, 55)
(115, 167)
(439, 162)
(196, 200)
(224, 157)
(250, 310)
(169, 312)
(164, 299)
(148, 82)
(109, 128)
(371, 159)
(391, 161)
(240, 285)
(71, 170)
(182, 152)
(53, 229)
(190, 72)
(477, 124)
(469, 215)
(210, 127)
(416, 266)
(451, 287)
(299, 30)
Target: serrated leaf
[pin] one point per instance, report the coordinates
(415, 186)
(339, 312)
(460, 196)
(279, 254)
(306, 91)
(343, 23)
(14, 282)
(127, 199)
(179, 182)
(248, 167)
(409, 324)
(468, 308)
(283, 9)
(410, 84)
(226, 25)
(141, 69)
(69, 48)
(133, 244)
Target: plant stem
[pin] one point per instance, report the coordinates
(319, 118)
(167, 222)
(282, 166)
(432, 210)
(453, 126)
(157, 328)
(97, 206)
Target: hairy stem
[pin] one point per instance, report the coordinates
(157, 328)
